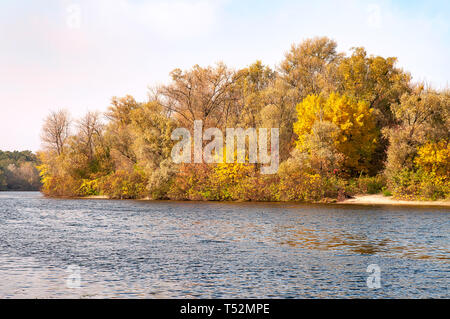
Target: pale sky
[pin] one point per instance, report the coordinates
(77, 54)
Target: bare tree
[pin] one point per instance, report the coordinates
(199, 94)
(56, 130)
(89, 131)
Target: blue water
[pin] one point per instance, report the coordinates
(133, 249)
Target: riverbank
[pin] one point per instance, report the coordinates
(379, 199)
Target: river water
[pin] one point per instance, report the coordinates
(55, 248)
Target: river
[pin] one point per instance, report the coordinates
(59, 248)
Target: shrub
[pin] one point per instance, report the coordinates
(386, 192)
(371, 185)
(421, 185)
(89, 188)
(192, 183)
(123, 185)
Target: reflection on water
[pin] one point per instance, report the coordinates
(130, 249)
(336, 239)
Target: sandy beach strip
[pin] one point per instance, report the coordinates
(379, 199)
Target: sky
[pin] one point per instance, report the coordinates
(77, 54)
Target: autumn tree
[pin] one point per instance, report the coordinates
(151, 130)
(329, 108)
(118, 132)
(324, 157)
(90, 133)
(373, 79)
(310, 67)
(357, 137)
(199, 94)
(422, 117)
(58, 174)
(279, 111)
(251, 87)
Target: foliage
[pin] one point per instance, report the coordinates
(375, 80)
(309, 67)
(418, 160)
(419, 184)
(56, 179)
(356, 136)
(89, 188)
(434, 158)
(366, 185)
(329, 107)
(161, 180)
(191, 183)
(429, 178)
(386, 192)
(18, 171)
(300, 181)
(123, 185)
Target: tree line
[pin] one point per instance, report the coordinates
(348, 124)
(18, 171)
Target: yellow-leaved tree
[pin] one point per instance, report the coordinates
(357, 136)
(434, 158)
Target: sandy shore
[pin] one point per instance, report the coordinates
(383, 200)
(357, 200)
(93, 197)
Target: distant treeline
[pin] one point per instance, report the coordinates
(18, 171)
(348, 123)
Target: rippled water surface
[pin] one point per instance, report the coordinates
(131, 249)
